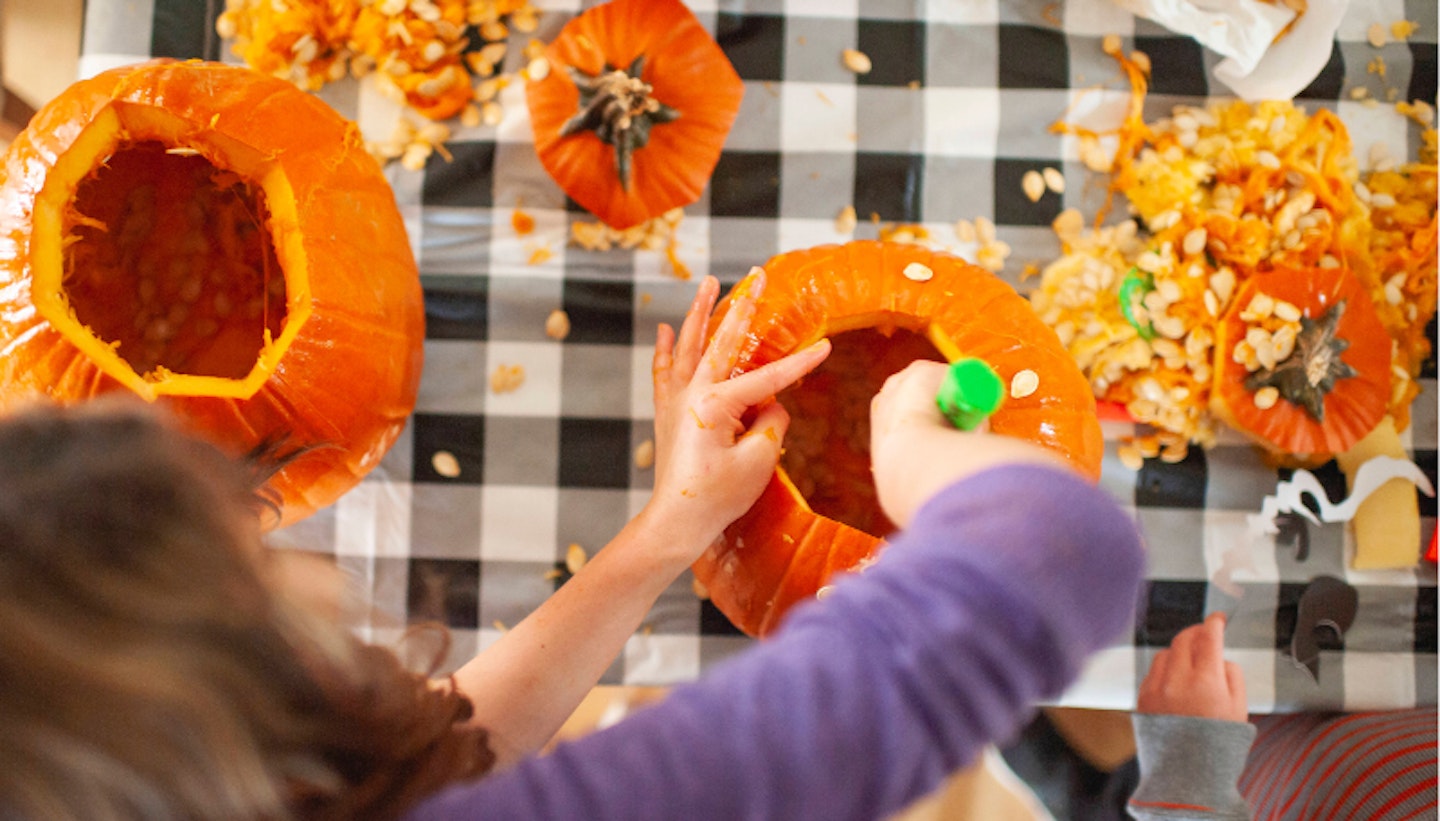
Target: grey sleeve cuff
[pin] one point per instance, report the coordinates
(1189, 767)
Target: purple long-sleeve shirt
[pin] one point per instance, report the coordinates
(864, 701)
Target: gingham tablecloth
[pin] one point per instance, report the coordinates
(953, 114)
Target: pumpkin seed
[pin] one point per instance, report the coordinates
(557, 324)
(1054, 180)
(575, 557)
(1024, 383)
(856, 61)
(645, 454)
(1266, 397)
(445, 464)
(917, 272)
(1033, 185)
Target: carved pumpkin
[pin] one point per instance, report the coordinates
(882, 305)
(1324, 382)
(218, 241)
(636, 106)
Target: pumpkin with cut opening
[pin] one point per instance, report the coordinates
(882, 305)
(218, 241)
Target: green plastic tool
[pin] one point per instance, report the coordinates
(970, 393)
(1133, 288)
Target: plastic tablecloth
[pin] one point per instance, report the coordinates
(944, 127)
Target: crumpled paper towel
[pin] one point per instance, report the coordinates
(1256, 66)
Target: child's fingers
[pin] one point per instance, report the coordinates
(1235, 682)
(756, 386)
(1207, 647)
(767, 432)
(1154, 681)
(906, 398)
(720, 354)
(692, 331)
(662, 361)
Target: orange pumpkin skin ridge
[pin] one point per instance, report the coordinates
(347, 382)
(1357, 404)
(781, 552)
(689, 73)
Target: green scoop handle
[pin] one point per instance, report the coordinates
(970, 393)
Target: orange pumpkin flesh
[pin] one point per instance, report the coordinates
(686, 71)
(218, 241)
(1355, 404)
(790, 544)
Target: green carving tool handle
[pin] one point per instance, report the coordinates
(970, 393)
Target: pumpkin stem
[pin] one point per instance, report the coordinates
(1306, 376)
(616, 105)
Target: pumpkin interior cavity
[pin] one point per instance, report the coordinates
(170, 261)
(827, 447)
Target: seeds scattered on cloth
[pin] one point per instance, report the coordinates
(445, 464)
(856, 61)
(1054, 180)
(645, 454)
(557, 324)
(1033, 185)
(575, 557)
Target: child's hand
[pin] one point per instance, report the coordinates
(915, 452)
(710, 466)
(1192, 678)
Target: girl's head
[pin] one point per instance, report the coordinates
(152, 663)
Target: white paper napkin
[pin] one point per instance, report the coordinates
(1256, 65)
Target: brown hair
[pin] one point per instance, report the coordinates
(150, 667)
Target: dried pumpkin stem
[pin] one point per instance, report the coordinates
(616, 105)
(1306, 376)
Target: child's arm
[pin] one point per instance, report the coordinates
(710, 467)
(1191, 732)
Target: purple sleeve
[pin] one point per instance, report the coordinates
(1001, 587)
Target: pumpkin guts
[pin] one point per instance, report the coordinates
(168, 258)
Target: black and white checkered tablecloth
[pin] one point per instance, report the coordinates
(954, 113)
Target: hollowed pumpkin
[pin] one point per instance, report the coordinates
(819, 515)
(1332, 388)
(631, 118)
(218, 241)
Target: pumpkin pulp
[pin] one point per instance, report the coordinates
(827, 446)
(160, 259)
